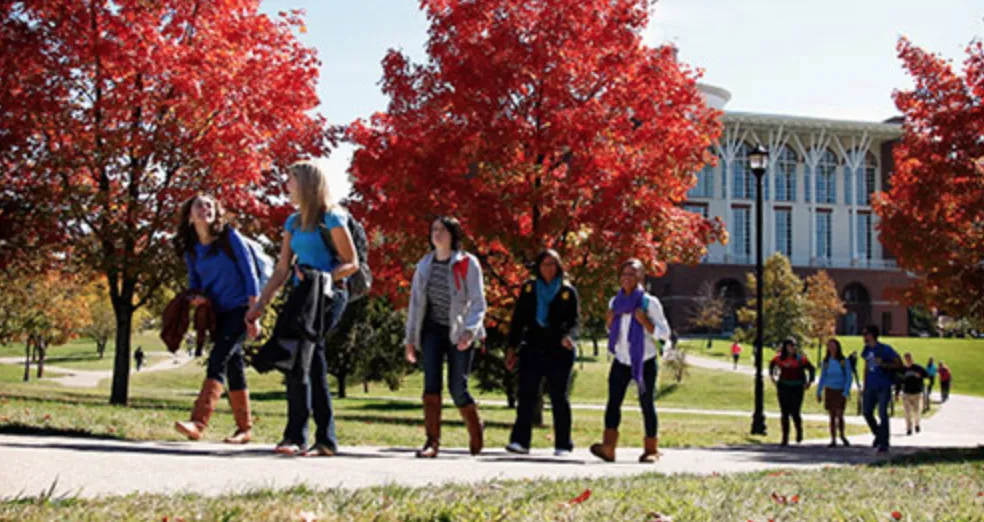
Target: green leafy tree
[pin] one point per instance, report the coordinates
(783, 304)
(367, 345)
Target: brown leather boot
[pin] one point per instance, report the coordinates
(208, 397)
(475, 428)
(432, 426)
(239, 400)
(606, 450)
(650, 452)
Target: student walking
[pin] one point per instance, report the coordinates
(138, 357)
(931, 372)
(735, 353)
(317, 299)
(792, 373)
(881, 363)
(911, 387)
(220, 272)
(945, 378)
(445, 317)
(835, 388)
(635, 324)
(543, 328)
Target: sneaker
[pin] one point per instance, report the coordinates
(289, 449)
(515, 447)
(562, 453)
(845, 442)
(917, 429)
(320, 450)
(908, 432)
(833, 444)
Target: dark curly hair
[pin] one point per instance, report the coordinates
(186, 236)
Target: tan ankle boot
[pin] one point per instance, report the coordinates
(650, 452)
(476, 436)
(239, 400)
(606, 450)
(208, 397)
(432, 426)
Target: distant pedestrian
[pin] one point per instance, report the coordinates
(945, 378)
(912, 388)
(931, 371)
(881, 363)
(792, 373)
(835, 388)
(138, 356)
(735, 353)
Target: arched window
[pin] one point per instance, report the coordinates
(786, 175)
(826, 181)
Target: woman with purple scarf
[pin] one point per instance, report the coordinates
(635, 324)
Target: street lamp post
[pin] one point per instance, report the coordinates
(758, 160)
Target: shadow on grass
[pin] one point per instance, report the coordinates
(931, 457)
(858, 454)
(381, 406)
(413, 421)
(43, 431)
(666, 390)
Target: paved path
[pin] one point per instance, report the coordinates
(75, 378)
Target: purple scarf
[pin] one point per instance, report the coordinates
(627, 304)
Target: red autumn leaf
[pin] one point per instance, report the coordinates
(580, 498)
(896, 515)
(111, 429)
(47, 416)
(794, 499)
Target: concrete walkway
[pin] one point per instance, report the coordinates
(75, 378)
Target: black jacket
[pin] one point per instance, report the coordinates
(301, 325)
(563, 318)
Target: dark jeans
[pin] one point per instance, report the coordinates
(225, 361)
(555, 364)
(879, 397)
(307, 393)
(619, 377)
(436, 344)
(944, 390)
(790, 405)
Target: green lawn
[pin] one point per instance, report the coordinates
(946, 485)
(965, 357)
(81, 354)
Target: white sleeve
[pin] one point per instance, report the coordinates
(661, 328)
(611, 304)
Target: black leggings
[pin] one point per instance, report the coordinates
(790, 405)
(619, 378)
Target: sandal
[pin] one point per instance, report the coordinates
(320, 450)
(289, 449)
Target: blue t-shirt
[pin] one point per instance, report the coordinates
(876, 377)
(228, 283)
(308, 245)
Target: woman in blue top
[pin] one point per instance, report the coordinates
(835, 385)
(221, 270)
(307, 391)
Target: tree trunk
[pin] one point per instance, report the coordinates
(121, 362)
(27, 360)
(341, 385)
(42, 345)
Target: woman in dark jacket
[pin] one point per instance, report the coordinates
(544, 325)
(792, 373)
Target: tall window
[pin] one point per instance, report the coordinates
(741, 228)
(864, 235)
(696, 209)
(786, 175)
(866, 181)
(807, 186)
(824, 236)
(784, 232)
(827, 178)
(705, 184)
(741, 188)
(848, 183)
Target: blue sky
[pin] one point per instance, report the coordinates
(833, 59)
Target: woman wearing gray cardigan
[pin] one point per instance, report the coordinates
(444, 319)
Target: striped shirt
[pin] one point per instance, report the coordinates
(438, 293)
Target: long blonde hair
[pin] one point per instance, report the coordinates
(313, 194)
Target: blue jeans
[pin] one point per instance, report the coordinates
(226, 358)
(880, 397)
(619, 378)
(435, 345)
(309, 393)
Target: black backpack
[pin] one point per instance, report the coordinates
(359, 283)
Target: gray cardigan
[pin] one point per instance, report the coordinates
(467, 298)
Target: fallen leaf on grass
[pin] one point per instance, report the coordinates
(27, 411)
(307, 516)
(580, 498)
(658, 517)
(896, 515)
(778, 474)
(47, 417)
(979, 493)
(4, 418)
(110, 429)
(795, 499)
(784, 500)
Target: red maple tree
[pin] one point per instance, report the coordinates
(932, 217)
(544, 123)
(116, 111)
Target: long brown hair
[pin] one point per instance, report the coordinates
(840, 352)
(186, 236)
(313, 195)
